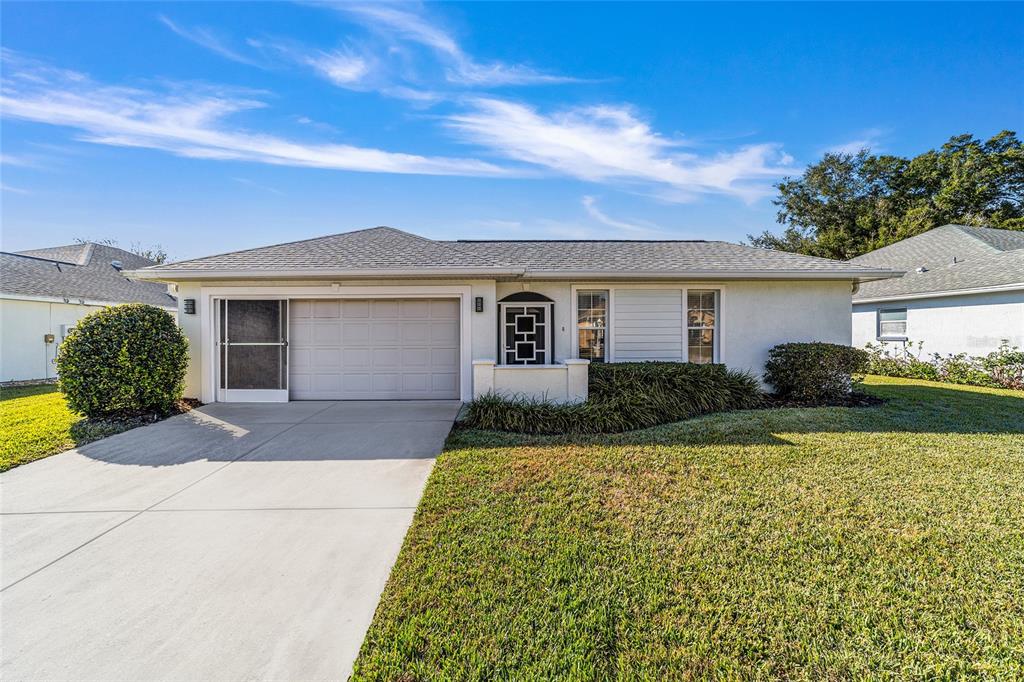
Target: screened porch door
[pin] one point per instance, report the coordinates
(252, 350)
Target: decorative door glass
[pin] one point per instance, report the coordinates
(525, 334)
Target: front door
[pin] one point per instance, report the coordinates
(252, 350)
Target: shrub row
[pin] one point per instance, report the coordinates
(813, 373)
(623, 397)
(123, 361)
(1003, 368)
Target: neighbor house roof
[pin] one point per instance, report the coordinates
(947, 260)
(385, 251)
(79, 272)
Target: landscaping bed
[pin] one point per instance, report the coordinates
(805, 544)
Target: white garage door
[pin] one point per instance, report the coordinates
(382, 349)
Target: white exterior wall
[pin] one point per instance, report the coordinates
(974, 324)
(24, 355)
(753, 317)
(758, 315)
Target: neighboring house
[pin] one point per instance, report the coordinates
(384, 314)
(45, 292)
(963, 292)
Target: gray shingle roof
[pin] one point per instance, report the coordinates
(79, 271)
(385, 248)
(985, 257)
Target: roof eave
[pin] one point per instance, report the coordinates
(172, 275)
(941, 293)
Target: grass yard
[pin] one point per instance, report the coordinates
(35, 422)
(830, 543)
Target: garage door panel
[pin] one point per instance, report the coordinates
(326, 334)
(418, 358)
(356, 358)
(355, 309)
(443, 333)
(444, 310)
(355, 333)
(325, 359)
(445, 358)
(386, 332)
(329, 310)
(415, 310)
(375, 349)
(384, 310)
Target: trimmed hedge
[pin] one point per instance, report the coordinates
(122, 361)
(813, 373)
(622, 397)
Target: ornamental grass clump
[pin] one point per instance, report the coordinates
(123, 361)
(623, 397)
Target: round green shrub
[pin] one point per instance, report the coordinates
(123, 360)
(814, 373)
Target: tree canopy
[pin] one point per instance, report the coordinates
(848, 204)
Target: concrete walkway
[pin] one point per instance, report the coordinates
(235, 542)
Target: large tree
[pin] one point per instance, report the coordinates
(849, 204)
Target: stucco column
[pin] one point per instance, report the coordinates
(483, 377)
(577, 380)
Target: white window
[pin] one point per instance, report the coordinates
(701, 320)
(892, 323)
(592, 324)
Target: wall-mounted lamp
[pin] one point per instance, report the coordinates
(478, 304)
(48, 338)
(190, 306)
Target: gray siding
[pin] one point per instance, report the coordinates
(648, 324)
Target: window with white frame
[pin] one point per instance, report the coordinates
(526, 329)
(892, 323)
(592, 325)
(701, 321)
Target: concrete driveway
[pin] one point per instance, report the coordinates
(236, 542)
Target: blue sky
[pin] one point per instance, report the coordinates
(211, 127)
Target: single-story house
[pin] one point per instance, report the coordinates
(385, 314)
(963, 292)
(45, 292)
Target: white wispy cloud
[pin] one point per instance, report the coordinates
(339, 66)
(409, 22)
(256, 185)
(208, 38)
(869, 139)
(4, 187)
(612, 144)
(191, 121)
(634, 228)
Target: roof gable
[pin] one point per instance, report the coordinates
(947, 258)
(79, 272)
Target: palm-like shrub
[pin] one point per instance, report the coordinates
(122, 361)
(623, 397)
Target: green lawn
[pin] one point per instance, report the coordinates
(815, 544)
(35, 422)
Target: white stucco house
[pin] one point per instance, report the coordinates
(385, 314)
(963, 292)
(45, 292)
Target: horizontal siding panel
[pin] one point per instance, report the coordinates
(647, 324)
